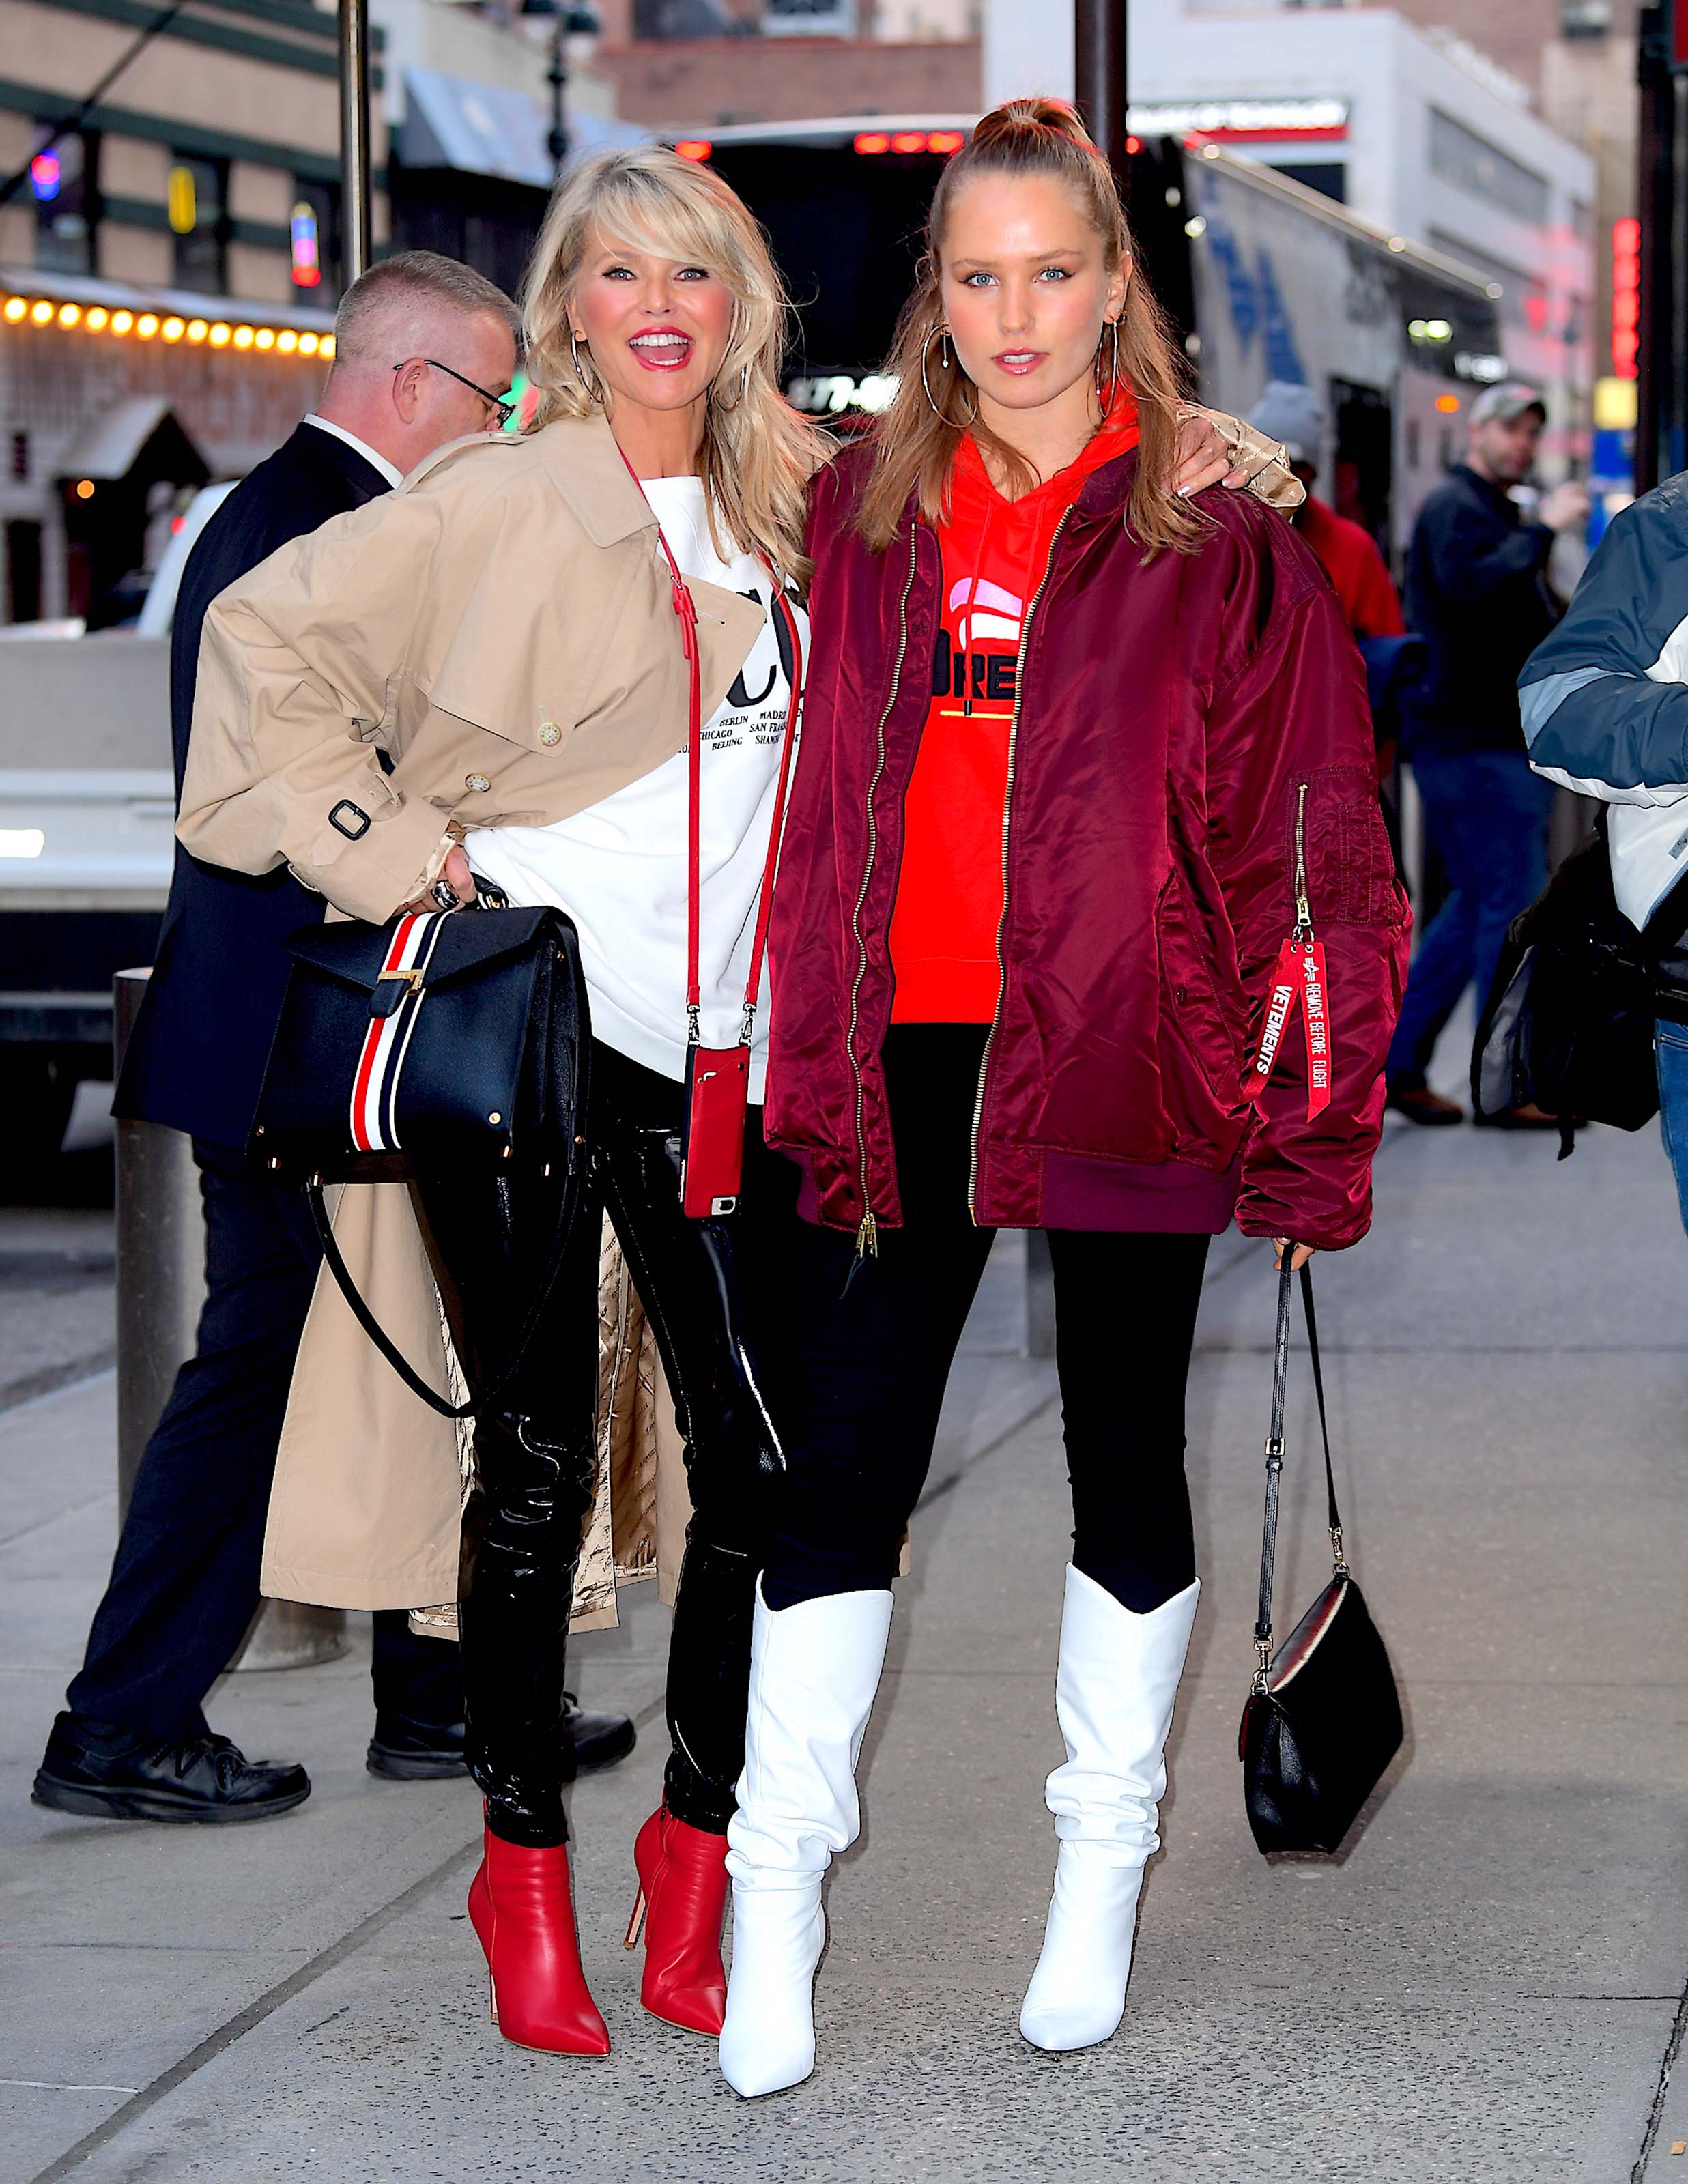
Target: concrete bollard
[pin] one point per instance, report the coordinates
(1039, 1295)
(160, 1287)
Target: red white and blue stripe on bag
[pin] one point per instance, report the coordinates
(375, 1086)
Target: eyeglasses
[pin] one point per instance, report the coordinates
(503, 410)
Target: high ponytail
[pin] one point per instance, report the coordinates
(915, 443)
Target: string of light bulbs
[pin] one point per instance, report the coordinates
(169, 327)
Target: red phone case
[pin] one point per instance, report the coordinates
(717, 1098)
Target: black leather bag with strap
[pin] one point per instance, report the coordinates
(1323, 1720)
(450, 1042)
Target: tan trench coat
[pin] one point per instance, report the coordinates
(502, 626)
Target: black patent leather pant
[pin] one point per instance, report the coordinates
(713, 1292)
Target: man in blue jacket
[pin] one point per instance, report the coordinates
(424, 350)
(1605, 713)
(1477, 592)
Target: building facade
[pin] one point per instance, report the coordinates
(168, 273)
(698, 65)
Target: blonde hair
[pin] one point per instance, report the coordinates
(915, 444)
(758, 452)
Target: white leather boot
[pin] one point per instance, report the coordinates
(1113, 1695)
(813, 1669)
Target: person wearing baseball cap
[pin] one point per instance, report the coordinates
(1477, 592)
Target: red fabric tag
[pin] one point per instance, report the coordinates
(1286, 987)
(1315, 1015)
(1298, 976)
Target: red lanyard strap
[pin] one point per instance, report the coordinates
(685, 608)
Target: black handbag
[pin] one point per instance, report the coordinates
(453, 1040)
(1568, 1021)
(1324, 1719)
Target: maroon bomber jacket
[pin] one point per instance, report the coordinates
(1180, 722)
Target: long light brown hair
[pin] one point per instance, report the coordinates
(915, 443)
(758, 452)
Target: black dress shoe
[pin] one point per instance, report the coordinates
(401, 1751)
(115, 1775)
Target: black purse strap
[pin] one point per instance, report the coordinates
(1274, 1453)
(567, 1207)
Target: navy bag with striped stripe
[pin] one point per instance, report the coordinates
(444, 1041)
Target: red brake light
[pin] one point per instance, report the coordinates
(909, 140)
(694, 147)
(945, 139)
(872, 141)
(1133, 143)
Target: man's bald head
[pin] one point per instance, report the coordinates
(399, 334)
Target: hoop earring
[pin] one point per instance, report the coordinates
(721, 401)
(1107, 399)
(594, 393)
(926, 384)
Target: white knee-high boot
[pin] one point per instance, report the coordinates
(813, 1669)
(1113, 1695)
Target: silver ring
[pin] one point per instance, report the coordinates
(446, 895)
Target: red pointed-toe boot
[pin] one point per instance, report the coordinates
(681, 1903)
(519, 1905)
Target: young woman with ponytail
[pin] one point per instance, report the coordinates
(1086, 773)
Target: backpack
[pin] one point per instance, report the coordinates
(1568, 1023)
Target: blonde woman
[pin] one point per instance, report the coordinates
(1081, 757)
(503, 631)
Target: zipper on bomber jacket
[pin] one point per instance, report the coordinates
(1008, 809)
(867, 1234)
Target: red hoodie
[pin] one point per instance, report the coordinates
(949, 892)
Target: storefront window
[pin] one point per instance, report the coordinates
(197, 202)
(63, 182)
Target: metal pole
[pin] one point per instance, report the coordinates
(355, 141)
(160, 1287)
(1098, 74)
(1656, 404)
(557, 75)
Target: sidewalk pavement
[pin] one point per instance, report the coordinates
(1486, 1986)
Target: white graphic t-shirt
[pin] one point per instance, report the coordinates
(619, 868)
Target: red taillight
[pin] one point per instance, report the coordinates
(1133, 143)
(945, 140)
(872, 141)
(909, 140)
(694, 147)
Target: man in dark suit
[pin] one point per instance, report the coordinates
(424, 347)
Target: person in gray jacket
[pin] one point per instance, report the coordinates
(1605, 713)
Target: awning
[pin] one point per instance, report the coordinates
(109, 444)
(481, 129)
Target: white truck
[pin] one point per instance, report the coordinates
(87, 813)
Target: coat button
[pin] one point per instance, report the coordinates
(549, 732)
(476, 781)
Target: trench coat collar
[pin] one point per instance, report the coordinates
(583, 462)
(581, 459)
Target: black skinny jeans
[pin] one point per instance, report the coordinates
(703, 1285)
(875, 1356)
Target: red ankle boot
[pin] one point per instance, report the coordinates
(681, 1903)
(519, 1906)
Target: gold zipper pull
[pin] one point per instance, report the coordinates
(1304, 916)
(867, 1237)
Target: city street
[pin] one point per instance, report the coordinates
(1490, 1985)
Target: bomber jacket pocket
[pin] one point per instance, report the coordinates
(1350, 864)
(1191, 1011)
